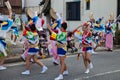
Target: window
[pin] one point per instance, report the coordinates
(87, 4)
(1, 3)
(73, 11)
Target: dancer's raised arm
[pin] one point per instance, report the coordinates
(10, 13)
(77, 28)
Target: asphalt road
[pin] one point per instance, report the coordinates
(106, 67)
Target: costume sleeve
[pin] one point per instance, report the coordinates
(58, 37)
(74, 31)
(7, 26)
(78, 34)
(114, 27)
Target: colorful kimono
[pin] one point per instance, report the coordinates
(32, 38)
(110, 29)
(87, 41)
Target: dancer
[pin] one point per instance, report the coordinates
(5, 27)
(32, 38)
(34, 19)
(55, 25)
(61, 38)
(14, 28)
(109, 33)
(86, 46)
(39, 27)
(99, 31)
(26, 43)
(53, 42)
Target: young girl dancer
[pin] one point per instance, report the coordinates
(86, 46)
(32, 38)
(61, 39)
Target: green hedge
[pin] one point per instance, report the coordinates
(117, 38)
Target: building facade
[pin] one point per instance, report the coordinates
(77, 11)
(15, 4)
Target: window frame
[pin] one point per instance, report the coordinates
(87, 4)
(76, 11)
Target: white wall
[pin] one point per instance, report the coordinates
(57, 5)
(29, 3)
(101, 8)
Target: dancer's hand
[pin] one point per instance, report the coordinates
(10, 13)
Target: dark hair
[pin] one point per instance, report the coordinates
(70, 34)
(39, 15)
(64, 25)
(97, 22)
(53, 20)
(28, 18)
(32, 27)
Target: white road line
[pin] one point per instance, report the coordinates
(14, 64)
(21, 63)
(99, 74)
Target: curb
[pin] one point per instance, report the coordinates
(18, 58)
(12, 60)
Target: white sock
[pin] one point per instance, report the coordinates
(91, 65)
